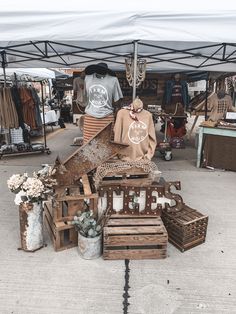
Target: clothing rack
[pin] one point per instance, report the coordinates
(45, 148)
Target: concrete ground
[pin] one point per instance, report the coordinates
(201, 280)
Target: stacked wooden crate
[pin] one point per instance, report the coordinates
(59, 213)
(130, 237)
(186, 228)
(133, 232)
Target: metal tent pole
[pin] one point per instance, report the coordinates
(4, 62)
(135, 68)
(44, 127)
(50, 88)
(207, 85)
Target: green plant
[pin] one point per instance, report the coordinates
(87, 225)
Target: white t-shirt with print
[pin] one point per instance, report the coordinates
(101, 92)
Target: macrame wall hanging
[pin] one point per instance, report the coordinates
(141, 71)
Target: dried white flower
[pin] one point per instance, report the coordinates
(15, 181)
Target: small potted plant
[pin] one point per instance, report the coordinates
(90, 233)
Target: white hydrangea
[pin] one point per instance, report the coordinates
(16, 180)
(33, 188)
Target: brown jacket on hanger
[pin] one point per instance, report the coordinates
(28, 107)
(140, 135)
(8, 114)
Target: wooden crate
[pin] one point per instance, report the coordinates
(70, 199)
(186, 228)
(134, 237)
(63, 235)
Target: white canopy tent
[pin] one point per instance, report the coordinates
(34, 74)
(170, 36)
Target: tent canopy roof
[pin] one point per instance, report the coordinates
(35, 74)
(48, 34)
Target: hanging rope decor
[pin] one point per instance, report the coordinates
(141, 71)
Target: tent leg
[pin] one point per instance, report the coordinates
(50, 88)
(207, 83)
(44, 127)
(3, 54)
(135, 69)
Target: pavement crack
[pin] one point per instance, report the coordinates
(126, 288)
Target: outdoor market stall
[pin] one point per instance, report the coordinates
(153, 40)
(20, 110)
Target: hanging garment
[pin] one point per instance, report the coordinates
(219, 106)
(78, 88)
(37, 102)
(28, 107)
(93, 125)
(8, 114)
(100, 93)
(16, 99)
(139, 134)
(176, 92)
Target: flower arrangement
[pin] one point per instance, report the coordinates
(32, 189)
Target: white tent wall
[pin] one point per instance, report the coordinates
(172, 37)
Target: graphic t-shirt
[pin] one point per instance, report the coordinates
(101, 92)
(140, 134)
(219, 106)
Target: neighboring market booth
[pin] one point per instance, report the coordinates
(27, 114)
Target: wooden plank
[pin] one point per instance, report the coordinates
(117, 215)
(49, 227)
(66, 247)
(74, 191)
(86, 185)
(188, 246)
(79, 197)
(196, 220)
(134, 221)
(134, 254)
(124, 240)
(138, 182)
(75, 206)
(183, 220)
(134, 230)
(186, 233)
(93, 153)
(62, 226)
(60, 191)
(185, 240)
(56, 232)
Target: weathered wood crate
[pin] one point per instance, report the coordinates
(62, 234)
(129, 174)
(134, 237)
(70, 199)
(186, 228)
